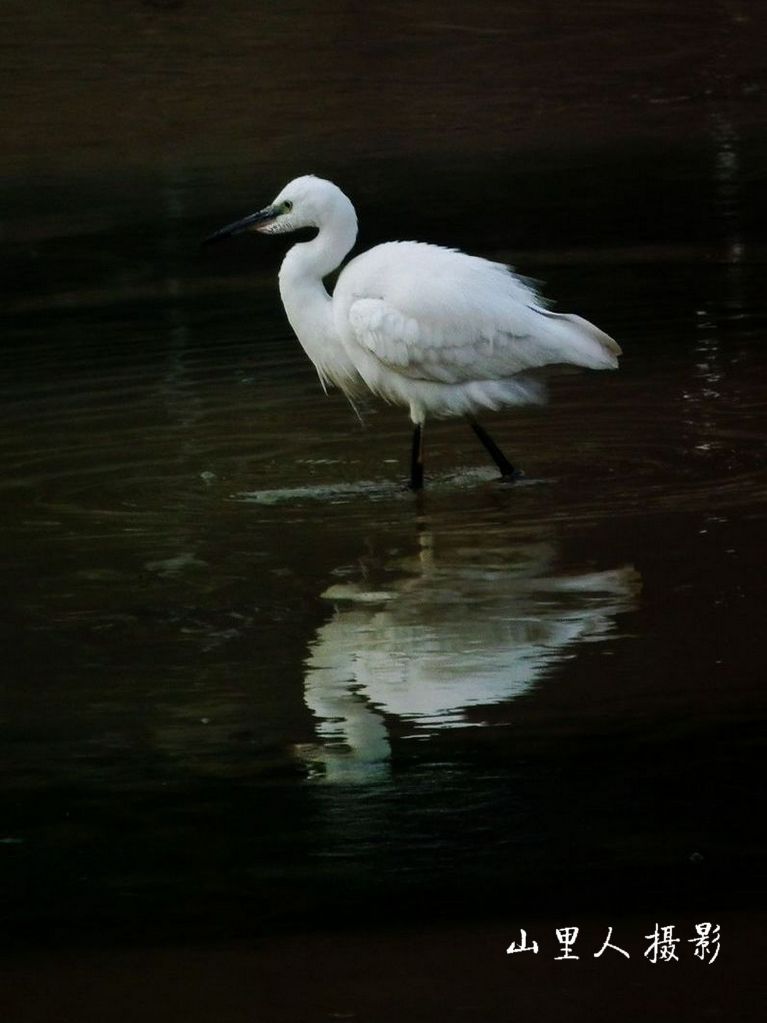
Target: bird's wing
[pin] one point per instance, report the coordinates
(473, 321)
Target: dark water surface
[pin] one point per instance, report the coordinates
(250, 684)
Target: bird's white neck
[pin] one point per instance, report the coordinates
(308, 305)
(307, 263)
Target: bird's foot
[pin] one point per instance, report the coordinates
(512, 477)
(416, 477)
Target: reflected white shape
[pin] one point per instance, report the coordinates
(472, 628)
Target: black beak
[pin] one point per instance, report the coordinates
(246, 224)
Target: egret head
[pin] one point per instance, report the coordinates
(304, 202)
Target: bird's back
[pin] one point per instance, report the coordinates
(434, 284)
(437, 315)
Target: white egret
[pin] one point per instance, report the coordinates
(438, 331)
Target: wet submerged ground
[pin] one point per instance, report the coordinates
(254, 691)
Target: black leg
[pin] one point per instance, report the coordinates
(416, 459)
(507, 469)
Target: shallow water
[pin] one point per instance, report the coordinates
(239, 651)
(250, 682)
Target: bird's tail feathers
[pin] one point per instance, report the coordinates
(582, 343)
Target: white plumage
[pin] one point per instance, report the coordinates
(438, 331)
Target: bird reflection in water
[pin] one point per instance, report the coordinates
(442, 633)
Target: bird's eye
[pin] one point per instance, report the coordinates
(287, 206)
